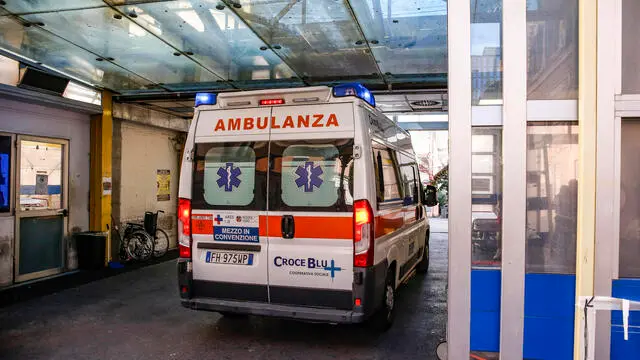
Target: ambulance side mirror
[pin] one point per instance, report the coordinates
(430, 196)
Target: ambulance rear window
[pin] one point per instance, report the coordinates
(313, 175)
(230, 176)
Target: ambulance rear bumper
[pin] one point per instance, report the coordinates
(274, 310)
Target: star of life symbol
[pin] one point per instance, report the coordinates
(228, 177)
(309, 176)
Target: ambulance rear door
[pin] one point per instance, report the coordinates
(229, 204)
(310, 220)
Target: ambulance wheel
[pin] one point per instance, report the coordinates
(383, 319)
(423, 265)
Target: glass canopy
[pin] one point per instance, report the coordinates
(145, 46)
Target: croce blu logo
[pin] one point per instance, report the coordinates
(328, 268)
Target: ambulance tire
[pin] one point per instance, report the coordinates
(383, 319)
(423, 265)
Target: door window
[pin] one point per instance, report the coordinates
(230, 176)
(40, 175)
(311, 175)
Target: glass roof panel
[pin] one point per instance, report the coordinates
(38, 45)
(105, 32)
(318, 39)
(217, 39)
(30, 6)
(408, 38)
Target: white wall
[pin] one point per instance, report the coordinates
(143, 151)
(28, 119)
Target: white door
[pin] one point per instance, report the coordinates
(311, 208)
(229, 205)
(41, 206)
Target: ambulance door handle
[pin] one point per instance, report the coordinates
(288, 226)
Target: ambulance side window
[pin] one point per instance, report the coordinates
(230, 176)
(386, 169)
(409, 179)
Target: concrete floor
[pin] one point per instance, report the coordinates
(137, 316)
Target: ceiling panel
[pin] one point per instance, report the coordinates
(38, 45)
(105, 32)
(408, 38)
(139, 46)
(212, 35)
(18, 7)
(319, 39)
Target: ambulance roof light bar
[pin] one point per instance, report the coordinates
(354, 89)
(206, 99)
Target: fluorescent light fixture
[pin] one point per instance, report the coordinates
(78, 92)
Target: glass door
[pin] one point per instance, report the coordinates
(41, 206)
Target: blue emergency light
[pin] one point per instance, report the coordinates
(354, 89)
(205, 99)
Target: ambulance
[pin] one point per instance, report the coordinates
(299, 203)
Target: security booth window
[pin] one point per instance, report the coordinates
(552, 197)
(311, 175)
(230, 176)
(5, 173)
(486, 197)
(630, 200)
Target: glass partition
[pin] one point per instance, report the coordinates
(552, 197)
(552, 41)
(486, 197)
(486, 52)
(630, 48)
(629, 205)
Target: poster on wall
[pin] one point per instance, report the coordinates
(163, 180)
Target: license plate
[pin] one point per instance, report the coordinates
(216, 257)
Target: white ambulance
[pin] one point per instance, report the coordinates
(300, 203)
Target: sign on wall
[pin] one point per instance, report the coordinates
(163, 180)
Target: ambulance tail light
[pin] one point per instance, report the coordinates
(363, 234)
(205, 99)
(184, 227)
(354, 89)
(269, 102)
